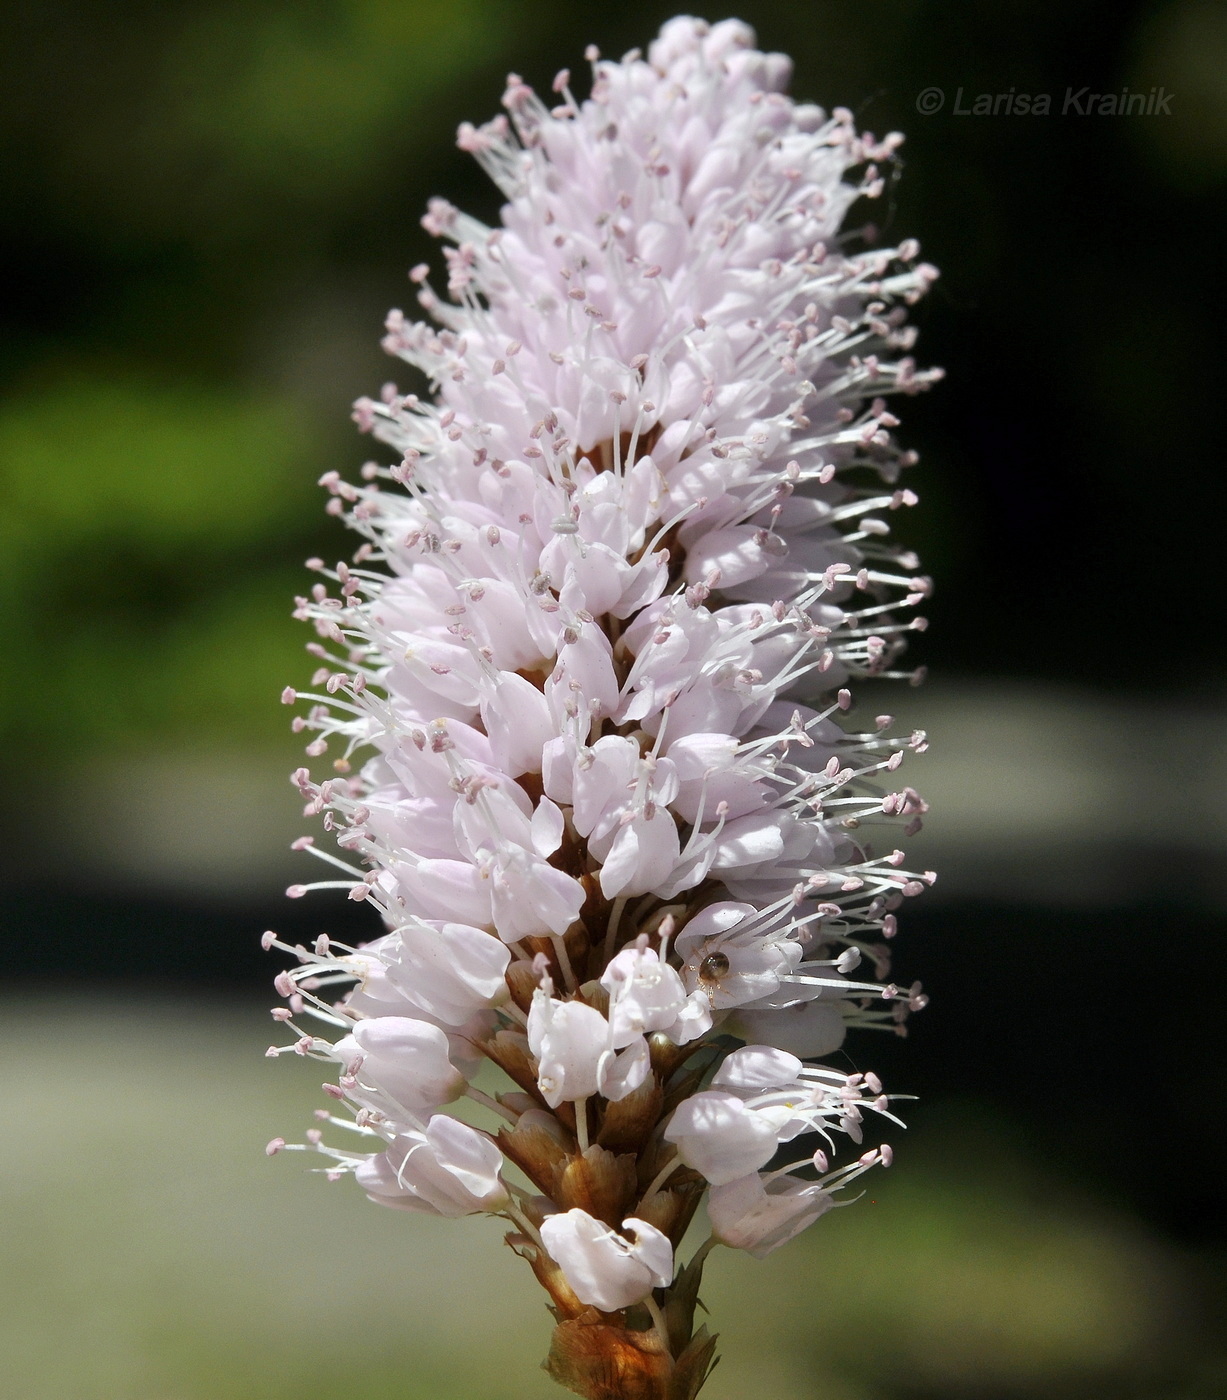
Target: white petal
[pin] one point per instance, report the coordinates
(643, 855)
(809, 1029)
(651, 1248)
(745, 1215)
(757, 1067)
(596, 1261)
(623, 1073)
(547, 828)
(718, 1135)
(518, 721)
(451, 971)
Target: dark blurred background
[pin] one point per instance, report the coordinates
(208, 207)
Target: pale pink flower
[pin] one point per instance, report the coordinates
(646, 994)
(575, 1049)
(603, 1267)
(399, 1059)
(446, 1168)
(759, 1216)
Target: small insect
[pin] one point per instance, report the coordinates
(713, 967)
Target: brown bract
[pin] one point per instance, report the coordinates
(609, 1356)
(595, 1359)
(620, 1356)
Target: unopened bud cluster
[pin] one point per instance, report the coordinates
(582, 694)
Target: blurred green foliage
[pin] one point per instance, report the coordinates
(157, 468)
(254, 121)
(209, 123)
(133, 520)
(155, 486)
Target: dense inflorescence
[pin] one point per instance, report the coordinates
(595, 653)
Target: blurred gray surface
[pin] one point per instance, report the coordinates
(153, 1252)
(1044, 795)
(1068, 797)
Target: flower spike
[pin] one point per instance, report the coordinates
(582, 718)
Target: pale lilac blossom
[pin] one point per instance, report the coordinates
(646, 994)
